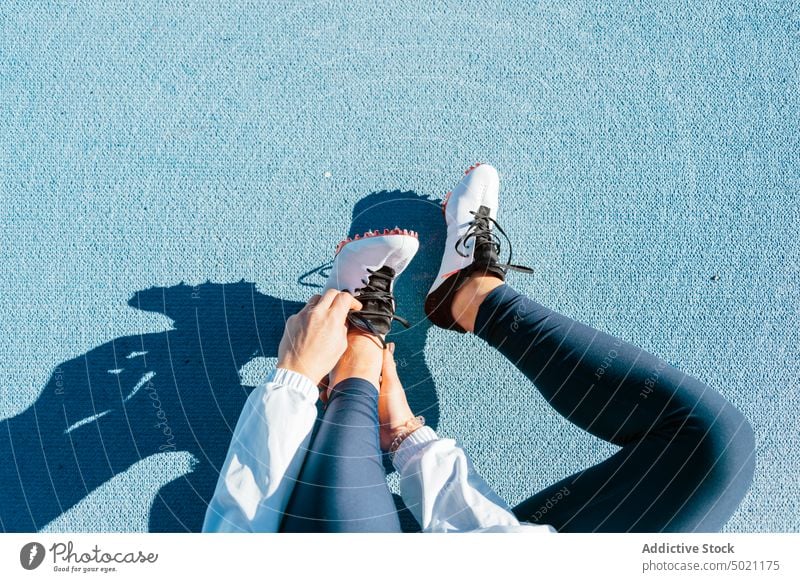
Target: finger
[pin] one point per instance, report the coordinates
(327, 299)
(389, 368)
(343, 303)
(314, 300)
(312, 303)
(388, 358)
(389, 375)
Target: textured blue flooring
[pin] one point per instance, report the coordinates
(649, 160)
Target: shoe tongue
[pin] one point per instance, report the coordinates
(382, 283)
(375, 310)
(485, 252)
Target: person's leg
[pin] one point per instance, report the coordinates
(342, 486)
(687, 455)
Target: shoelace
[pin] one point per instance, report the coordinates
(371, 293)
(480, 230)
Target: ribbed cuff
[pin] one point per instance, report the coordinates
(411, 445)
(294, 381)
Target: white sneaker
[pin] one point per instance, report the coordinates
(472, 245)
(367, 266)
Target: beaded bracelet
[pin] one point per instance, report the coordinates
(409, 427)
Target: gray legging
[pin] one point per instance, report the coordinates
(687, 455)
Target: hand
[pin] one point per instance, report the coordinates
(316, 337)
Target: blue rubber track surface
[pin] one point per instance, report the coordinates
(172, 175)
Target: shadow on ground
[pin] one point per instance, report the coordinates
(139, 395)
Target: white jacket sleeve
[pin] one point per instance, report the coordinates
(265, 456)
(440, 487)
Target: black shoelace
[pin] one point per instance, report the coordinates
(379, 297)
(480, 229)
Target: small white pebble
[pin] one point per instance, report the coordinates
(327, 174)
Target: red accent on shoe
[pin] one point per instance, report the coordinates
(444, 203)
(472, 167)
(371, 233)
